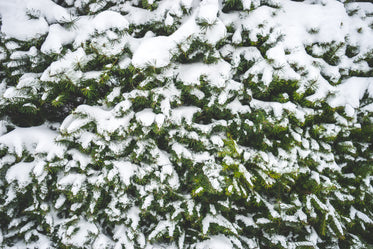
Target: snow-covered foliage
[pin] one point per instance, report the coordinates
(186, 124)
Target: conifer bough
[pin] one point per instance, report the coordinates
(186, 124)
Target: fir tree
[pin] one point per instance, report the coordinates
(186, 124)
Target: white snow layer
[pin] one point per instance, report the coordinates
(351, 91)
(39, 139)
(18, 25)
(294, 20)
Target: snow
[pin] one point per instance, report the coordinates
(114, 94)
(148, 200)
(49, 9)
(57, 37)
(109, 19)
(248, 221)
(154, 52)
(160, 228)
(185, 113)
(360, 215)
(20, 172)
(301, 215)
(102, 241)
(350, 92)
(217, 74)
(275, 239)
(81, 158)
(216, 242)
(15, 22)
(219, 220)
(74, 180)
(217, 141)
(126, 171)
(198, 190)
(120, 235)
(39, 169)
(208, 11)
(22, 54)
(146, 117)
(39, 139)
(106, 131)
(218, 33)
(78, 238)
(325, 18)
(293, 21)
(277, 54)
(157, 51)
(66, 66)
(181, 151)
(105, 120)
(159, 120)
(60, 201)
(246, 4)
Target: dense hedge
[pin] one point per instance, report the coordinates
(236, 139)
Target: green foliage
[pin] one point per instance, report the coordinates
(330, 52)
(275, 90)
(153, 156)
(351, 51)
(242, 67)
(231, 5)
(195, 50)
